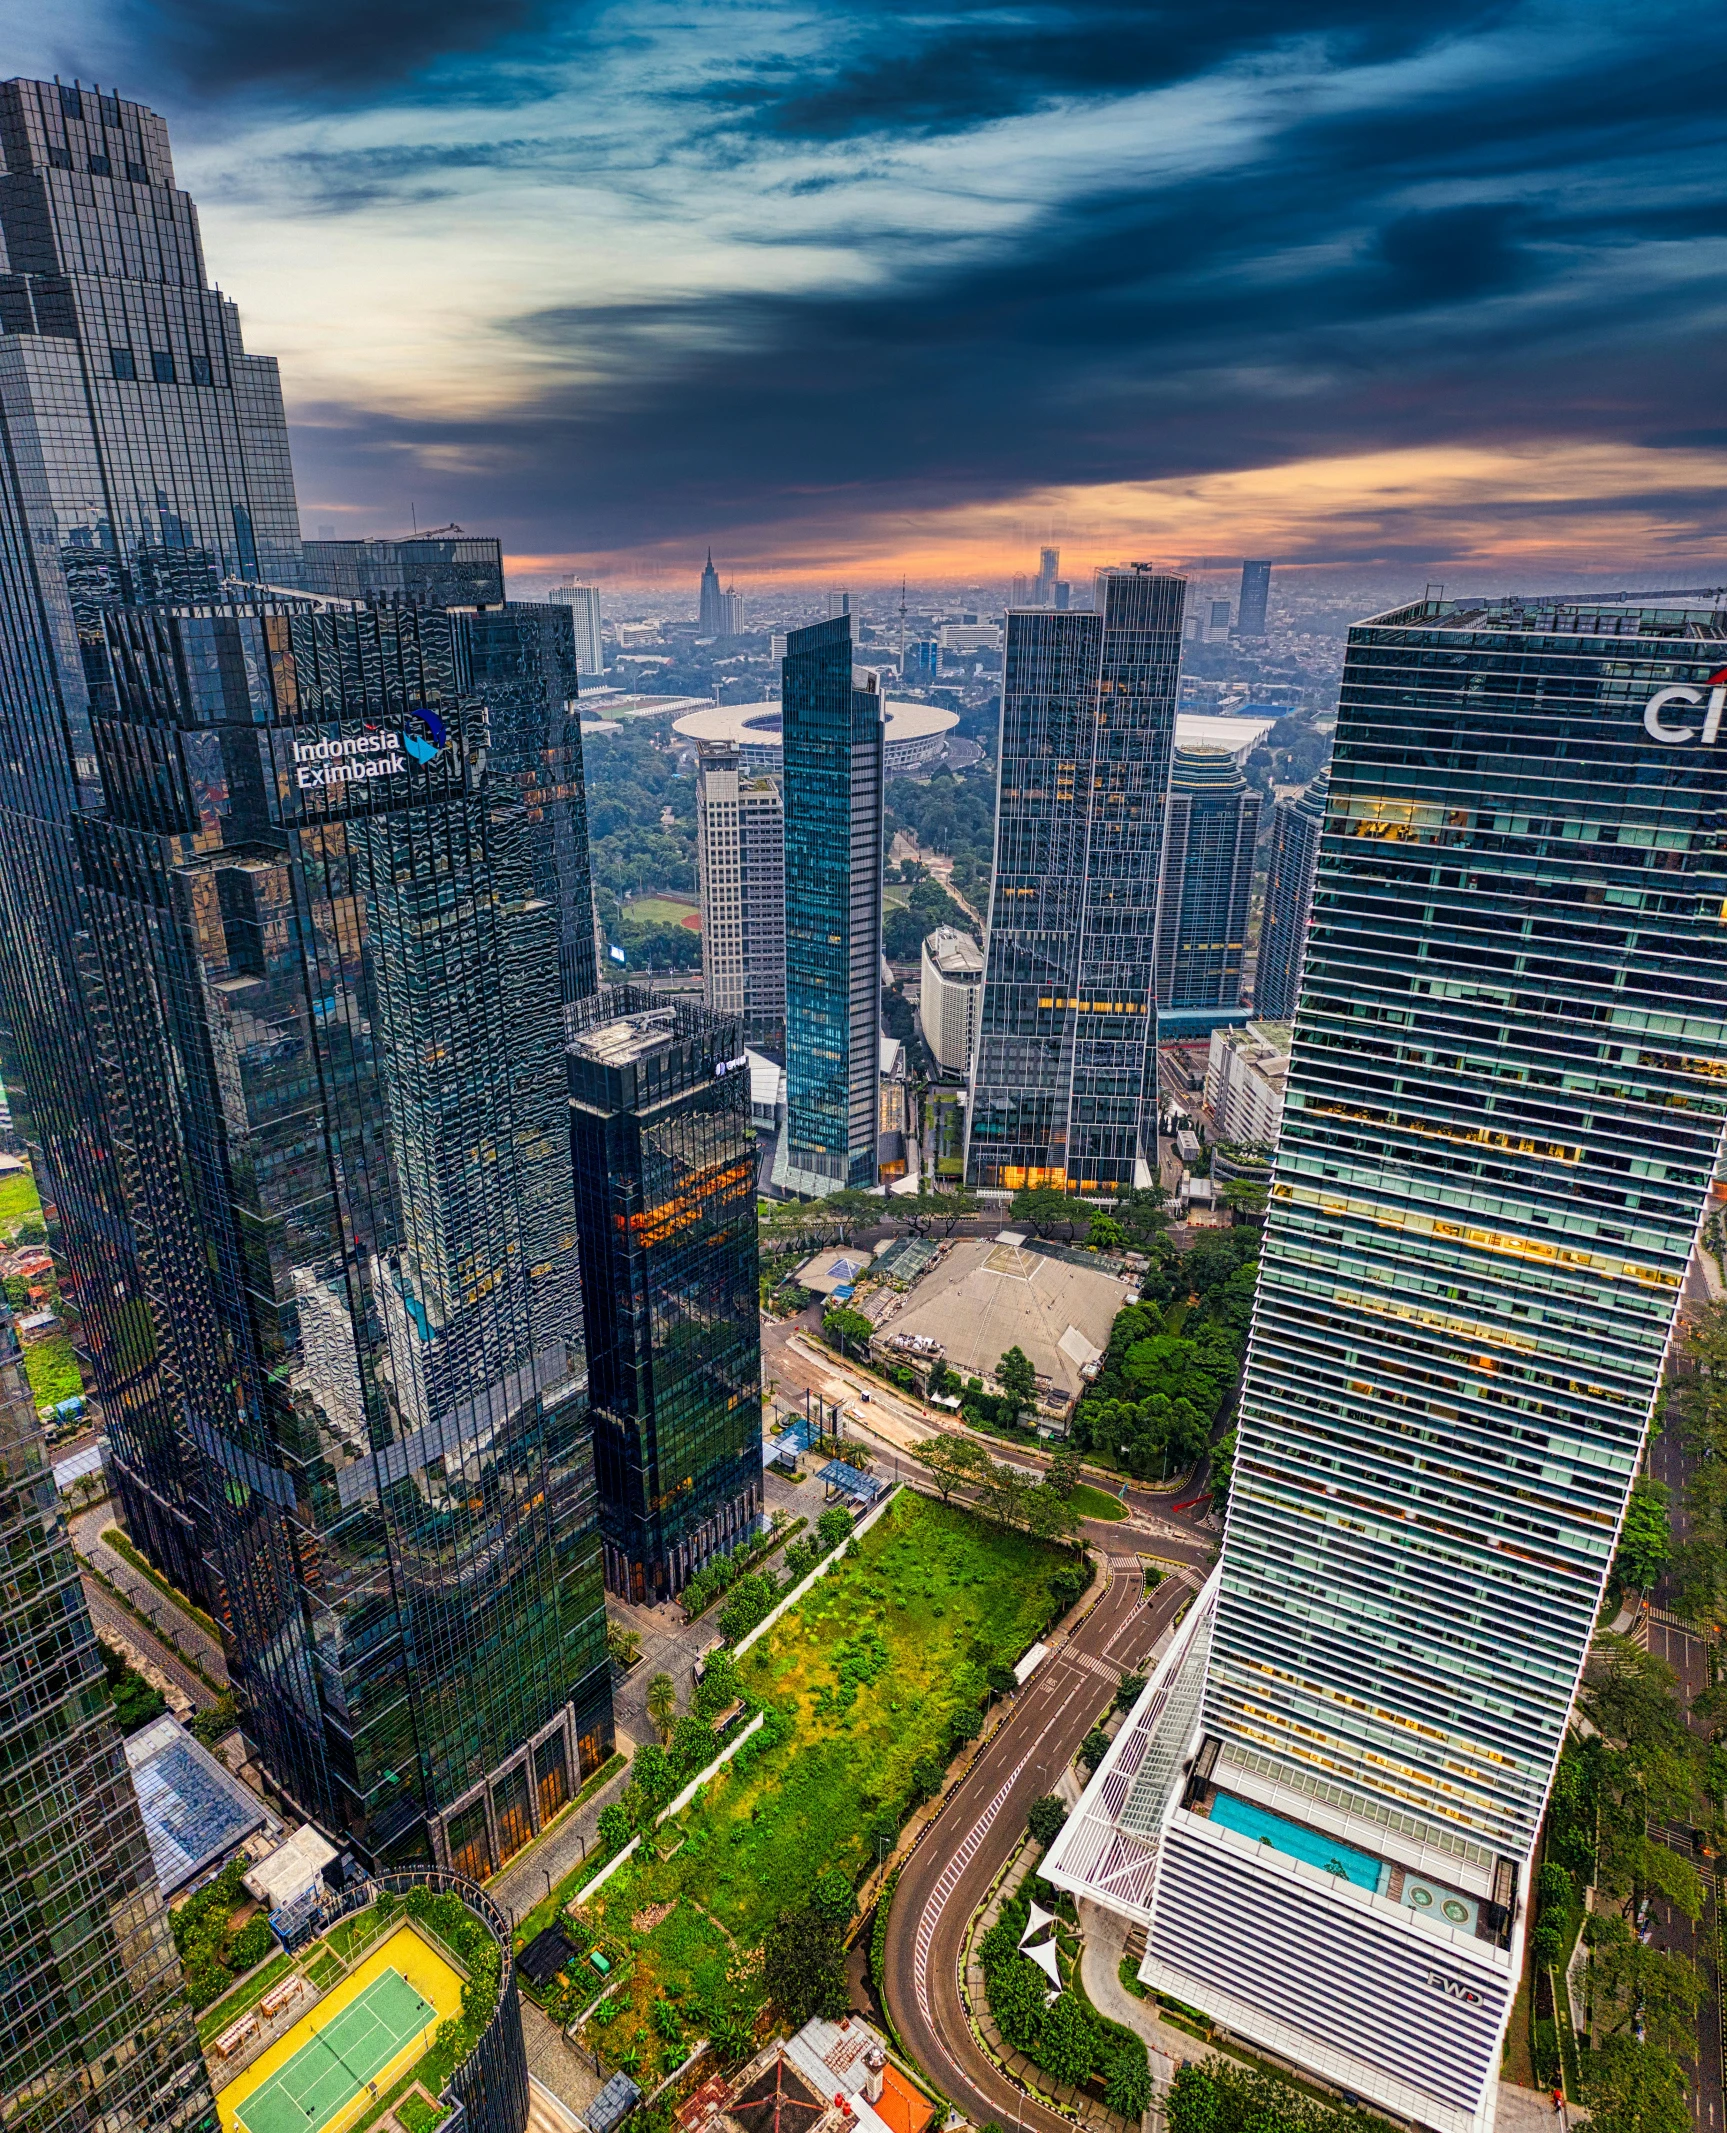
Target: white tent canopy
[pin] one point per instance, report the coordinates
(1036, 1922)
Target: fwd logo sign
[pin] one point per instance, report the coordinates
(1454, 1988)
(1657, 727)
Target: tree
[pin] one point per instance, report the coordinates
(849, 1209)
(803, 1966)
(1105, 1234)
(846, 1328)
(1193, 2101)
(951, 1462)
(1128, 1693)
(930, 1208)
(1222, 1470)
(1629, 2088)
(1042, 1207)
(1064, 1471)
(1246, 1198)
(834, 1897)
(833, 1526)
(1141, 1213)
(1647, 1768)
(622, 1644)
(1645, 1539)
(614, 1826)
(1068, 2047)
(1647, 1992)
(1016, 1377)
(1127, 2079)
(1044, 1818)
(1045, 1515)
(1094, 1748)
(663, 1705)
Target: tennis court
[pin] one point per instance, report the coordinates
(331, 2069)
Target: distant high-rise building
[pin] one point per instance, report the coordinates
(147, 458)
(1019, 592)
(923, 659)
(741, 873)
(833, 740)
(711, 613)
(1295, 835)
(665, 1168)
(950, 989)
(445, 568)
(97, 2031)
(1063, 595)
(731, 612)
(1064, 1082)
(325, 903)
(1048, 570)
(839, 601)
(1255, 589)
(1477, 1246)
(583, 602)
(1203, 894)
(1217, 629)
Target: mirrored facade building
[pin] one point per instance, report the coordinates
(1503, 1118)
(1296, 827)
(833, 797)
(665, 1161)
(1210, 831)
(331, 974)
(146, 458)
(1063, 1088)
(448, 568)
(97, 2031)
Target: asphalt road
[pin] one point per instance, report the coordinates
(947, 1877)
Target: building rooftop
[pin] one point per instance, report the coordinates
(759, 725)
(1697, 612)
(954, 954)
(1239, 734)
(195, 1809)
(628, 1038)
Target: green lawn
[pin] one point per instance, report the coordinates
(18, 1199)
(923, 1605)
(52, 1369)
(1096, 1503)
(659, 910)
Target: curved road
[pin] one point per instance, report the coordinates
(946, 1879)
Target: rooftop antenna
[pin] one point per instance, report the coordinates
(413, 519)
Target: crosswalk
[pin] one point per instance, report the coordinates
(945, 1887)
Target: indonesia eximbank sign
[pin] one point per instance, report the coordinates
(372, 752)
(1711, 699)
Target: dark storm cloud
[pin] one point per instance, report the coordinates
(1516, 256)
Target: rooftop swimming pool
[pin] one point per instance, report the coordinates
(1330, 1854)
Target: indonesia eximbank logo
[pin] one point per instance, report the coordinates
(1658, 728)
(374, 752)
(424, 751)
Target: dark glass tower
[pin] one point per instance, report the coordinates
(95, 2031)
(1288, 902)
(446, 569)
(331, 975)
(665, 1164)
(1255, 590)
(145, 457)
(1064, 1082)
(833, 727)
(1504, 1110)
(524, 661)
(1207, 880)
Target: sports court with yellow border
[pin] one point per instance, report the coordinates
(339, 2087)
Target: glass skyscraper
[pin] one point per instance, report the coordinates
(1064, 1082)
(1209, 834)
(1255, 590)
(146, 457)
(1296, 827)
(665, 1167)
(446, 569)
(1503, 1116)
(832, 792)
(95, 2031)
(330, 969)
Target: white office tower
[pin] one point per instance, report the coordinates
(583, 602)
(950, 987)
(1502, 1117)
(740, 867)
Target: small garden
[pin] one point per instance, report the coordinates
(1225, 2096)
(220, 1934)
(866, 1688)
(135, 1702)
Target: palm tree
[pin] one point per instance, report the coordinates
(663, 1705)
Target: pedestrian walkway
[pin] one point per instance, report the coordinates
(172, 1623)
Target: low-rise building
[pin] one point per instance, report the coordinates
(1244, 1079)
(950, 989)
